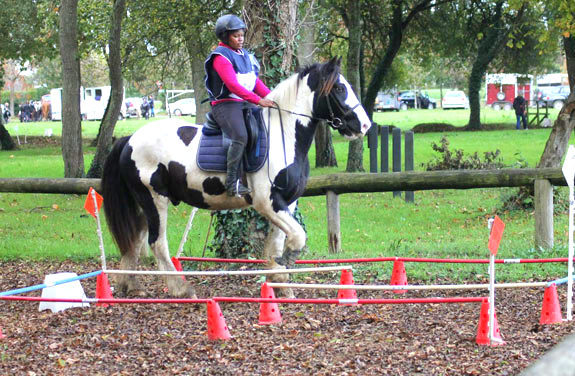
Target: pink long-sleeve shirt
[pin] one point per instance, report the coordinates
(225, 70)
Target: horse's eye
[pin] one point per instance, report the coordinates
(339, 90)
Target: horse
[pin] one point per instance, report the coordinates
(157, 165)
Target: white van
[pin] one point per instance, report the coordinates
(93, 102)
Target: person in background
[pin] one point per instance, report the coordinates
(232, 83)
(520, 111)
(6, 112)
(151, 104)
(145, 108)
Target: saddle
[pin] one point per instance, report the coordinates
(214, 143)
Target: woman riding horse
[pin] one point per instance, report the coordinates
(157, 165)
(232, 82)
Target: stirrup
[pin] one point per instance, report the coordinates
(238, 189)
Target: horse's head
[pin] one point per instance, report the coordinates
(335, 101)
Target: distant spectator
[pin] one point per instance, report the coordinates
(145, 108)
(151, 103)
(520, 113)
(6, 112)
(23, 114)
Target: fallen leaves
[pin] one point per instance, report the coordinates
(322, 339)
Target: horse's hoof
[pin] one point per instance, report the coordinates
(286, 292)
(279, 278)
(136, 293)
(272, 264)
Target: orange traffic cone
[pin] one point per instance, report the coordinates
(347, 279)
(483, 328)
(398, 276)
(550, 311)
(217, 328)
(178, 266)
(269, 312)
(103, 290)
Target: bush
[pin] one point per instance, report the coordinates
(242, 233)
(457, 160)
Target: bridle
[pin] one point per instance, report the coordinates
(334, 122)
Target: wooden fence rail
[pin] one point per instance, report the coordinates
(543, 179)
(343, 183)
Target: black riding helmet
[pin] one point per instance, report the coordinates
(226, 23)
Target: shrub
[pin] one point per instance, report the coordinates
(242, 233)
(457, 160)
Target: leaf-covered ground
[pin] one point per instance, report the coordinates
(312, 339)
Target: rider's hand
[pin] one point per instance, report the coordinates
(266, 103)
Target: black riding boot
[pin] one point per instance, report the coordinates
(234, 185)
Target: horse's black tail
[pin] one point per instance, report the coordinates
(123, 214)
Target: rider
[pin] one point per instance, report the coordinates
(232, 83)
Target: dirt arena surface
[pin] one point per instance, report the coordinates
(423, 339)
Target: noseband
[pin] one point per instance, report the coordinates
(335, 122)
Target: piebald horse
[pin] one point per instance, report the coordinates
(157, 165)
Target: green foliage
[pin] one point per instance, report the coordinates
(241, 233)
(457, 160)
(238, 233)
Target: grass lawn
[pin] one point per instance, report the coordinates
(448, 223)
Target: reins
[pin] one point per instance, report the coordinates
(335, 123)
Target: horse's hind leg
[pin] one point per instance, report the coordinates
(128, 284)
(157, 238)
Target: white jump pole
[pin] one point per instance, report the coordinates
(492, 297)
(232, 272)
(101, 239)
(569, 174)
(186, 231)
(484, 286)
(570, 261)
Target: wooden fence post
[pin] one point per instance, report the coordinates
(409, 195)
(543, 214)
(372, 141)
(384, 148)
(333, 223)
(396, 150)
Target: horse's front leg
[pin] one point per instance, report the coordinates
(177, 286)
(286, 230)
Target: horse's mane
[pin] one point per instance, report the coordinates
(329, 74)
(285, 92)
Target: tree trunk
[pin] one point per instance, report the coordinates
(559, 138)
(496, 35)
(71, 116)
(569, 45)
(115, 103)
(198, 49)
(474, 83)
(384, 65)
(355, 150)
(324, 152)
(6, 141)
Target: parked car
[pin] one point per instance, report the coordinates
(553, 96)
(386, 101)
(407, 100)
(455, 99)
(186, 106)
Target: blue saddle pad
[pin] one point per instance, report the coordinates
(213, 150)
